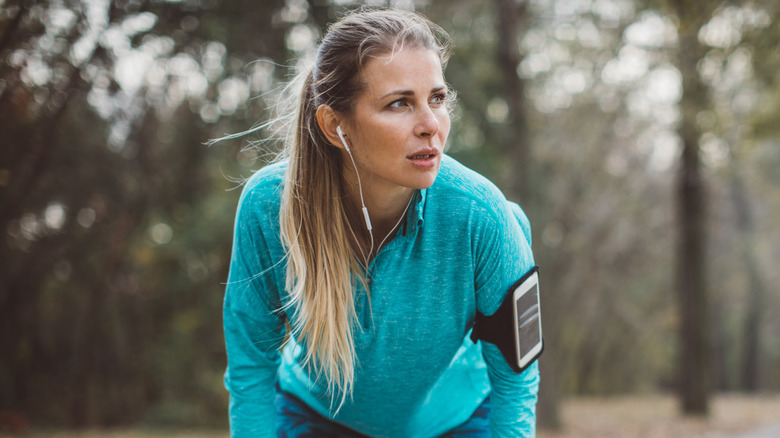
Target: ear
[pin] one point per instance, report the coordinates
(328, 121)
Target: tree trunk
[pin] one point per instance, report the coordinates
(694, 354)
(515, 140)
(512, 18)
(695, 358)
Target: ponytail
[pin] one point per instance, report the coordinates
(321, 266)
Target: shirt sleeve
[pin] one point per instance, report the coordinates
(504, 256)
(254, 329)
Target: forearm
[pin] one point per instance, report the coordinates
(252, 418)
(253, 360)
(513, 397)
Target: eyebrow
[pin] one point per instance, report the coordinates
(411, 93)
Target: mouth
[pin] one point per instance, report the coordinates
(424, 159)
(424, 154)
(421, 156)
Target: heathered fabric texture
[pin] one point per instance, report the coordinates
(460, 248)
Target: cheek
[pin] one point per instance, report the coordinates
(378, 130)
(444, 126)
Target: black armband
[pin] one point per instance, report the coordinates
(515, 328)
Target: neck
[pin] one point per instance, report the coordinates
(385, 204)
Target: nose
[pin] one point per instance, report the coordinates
(427, 123)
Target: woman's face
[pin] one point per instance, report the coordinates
(400, 122)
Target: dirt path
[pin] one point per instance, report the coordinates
(732, 416)
(766, 432)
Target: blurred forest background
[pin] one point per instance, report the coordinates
(641, 136)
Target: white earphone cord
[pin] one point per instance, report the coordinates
(363, 204)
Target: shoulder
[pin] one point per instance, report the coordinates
(265, 185)
(458, 187)
(266, 181)
(261, 195)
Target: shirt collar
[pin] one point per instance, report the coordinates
(415, 219)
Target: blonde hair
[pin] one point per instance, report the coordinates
(322, 268)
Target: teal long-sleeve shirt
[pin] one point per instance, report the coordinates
(459, 249)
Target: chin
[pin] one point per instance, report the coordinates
(427, 180)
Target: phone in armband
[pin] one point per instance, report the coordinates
(516, 326)
(527, 320)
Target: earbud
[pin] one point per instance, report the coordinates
(343, 141)
(340, 132)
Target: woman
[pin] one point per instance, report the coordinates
(362, 256)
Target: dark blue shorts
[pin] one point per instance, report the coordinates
(295, 419)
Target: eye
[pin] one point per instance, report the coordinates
(399, 103)
(438, 98)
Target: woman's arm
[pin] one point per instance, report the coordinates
(513, 396)
(254, 329)
(505, 257)
(250, 376)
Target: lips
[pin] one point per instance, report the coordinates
(423, 154)
(425, 158)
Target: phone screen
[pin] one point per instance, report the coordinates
(528, 328)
